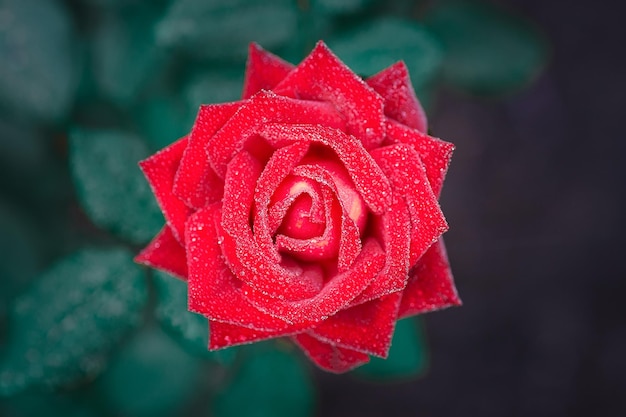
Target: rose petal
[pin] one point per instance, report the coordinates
(366, 328)
(196, 183)
(245, 257)
(328, 357)
(276, 170)
(403, 167)
(160, 170)
(335, 296)
(395, 232)
(367, 176)
(434, 153)
(213, 290)
(322, 76)
(431, 285)
(401, 104)
(223, 335)
(263, 71)
(165, 253)
(265, 107)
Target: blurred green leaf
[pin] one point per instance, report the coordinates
(64, 326)
(269, 383)
(110, 185)
(152, 376)
(223, 30)
(39, 71)
(489, 51)
(339, 7)
(407, 357)
(216, 86)
(192, 330)
(19, 252)
(164, 119)
(49, 405)
(125, 56)
(373, 46)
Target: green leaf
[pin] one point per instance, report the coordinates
(339, 7)
(49, 405)
(190, 329)
(269, 383)
(110, 185)
(64, 326)
(214, 87)
(407, 357)
(489, 51)
(217, 29)
(39, 71)
(164, 119)
(125, 56)
(152, 376)
(375, 45)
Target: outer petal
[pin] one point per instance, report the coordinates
(367, 176)
(434, 153)
(166, 254)
(213, 291)
(265, 107)
(431, 285)
(263, 71)
(403, 167)
(223, 335)
(196, 183)
(366, 328)
(329, 357)
(335, 296)
(336, 83)
(160, 170)
(401, 104)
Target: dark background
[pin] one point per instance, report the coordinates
(535, 199)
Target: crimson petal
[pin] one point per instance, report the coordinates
(401, 104)
(263, 71)
(334, 296)
(223, 335)
(403, 167)
(326, 356)
(160, 170)
(196, 183)
(366, 328)
(264, 107)
(434, 153)
(367, 176)
(336, 83)
(431, 285)
(166, 254)
(213, 291)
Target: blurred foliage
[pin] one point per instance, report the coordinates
(90, 87)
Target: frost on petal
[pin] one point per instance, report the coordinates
(263, 71)
(245, 257)
(366, 328)
(394, 229)
(322, 76)
(334, 296)
(401, 104)
(434, 153)
(265, 107)
(160, 170)
(431, 285)
(223, 335)
(328, 357)
(367, 176)
(196, 183)
(165, 253)
(213, 290)
(403, 167)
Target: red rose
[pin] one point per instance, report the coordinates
(307, 209)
